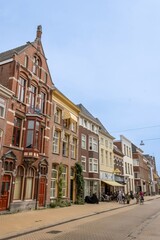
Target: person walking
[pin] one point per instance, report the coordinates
(141, 195)
(137, 197)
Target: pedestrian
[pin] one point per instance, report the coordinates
(141, 195)
(120, 197)
(137, 197)
(128, 198)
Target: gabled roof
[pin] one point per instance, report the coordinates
(85, 112)
(103, 129)
(9, 54)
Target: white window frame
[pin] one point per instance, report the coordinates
(83, 163)
(54, 178)
(56, 141)
(93, 165)
(2, 107)
(93, 144)
(83, 141)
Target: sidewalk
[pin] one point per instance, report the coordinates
(17, 223)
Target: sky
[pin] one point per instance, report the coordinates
(104, 54)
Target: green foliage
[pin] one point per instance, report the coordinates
(79, 184)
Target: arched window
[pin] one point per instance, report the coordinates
(29, 183)
(21, 89)
(18, 183)
(36, 66)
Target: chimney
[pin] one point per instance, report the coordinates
(39, 32)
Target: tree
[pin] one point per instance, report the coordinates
(79, 184)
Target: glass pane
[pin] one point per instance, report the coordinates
(31, 124)
(17, 189)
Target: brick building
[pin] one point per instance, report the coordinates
(89, 151)
(24, 153)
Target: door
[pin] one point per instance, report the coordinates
(42, 191)
(5, 192)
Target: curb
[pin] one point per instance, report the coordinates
(70, 220)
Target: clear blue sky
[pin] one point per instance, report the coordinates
(104, 54)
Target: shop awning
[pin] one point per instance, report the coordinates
(113, 183)
(67, 115)
(117, 171)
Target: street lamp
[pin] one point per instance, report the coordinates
(142, 141)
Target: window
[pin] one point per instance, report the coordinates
(102, 141)
(106, 157)
(2, 107)
(42, 102)
(36, 66)
(29, 183)
(54, 178)
(80, 121)
(64, 183)
(93, 165)
(126, 167)
(56, 141)
(1, 135)
(102, 156)
(65, 146)
(17, 132)
(131, 172)
(84, 123)
(93, 144)
(73, 126)
(18, 183)
(83, 141)
(26, 61)
(106, 143)
(42, 139)
(32, 98)
(45, 77)
(135, 162)
(32, 139)
(57, 116)
(73, 148)
(21, 89)
(83, 162)
(110, 158)
(66, 123)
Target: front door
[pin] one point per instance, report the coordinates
(42, 191)
(5, 192)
